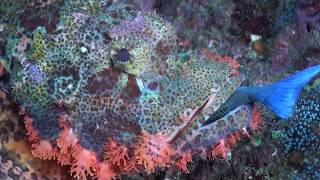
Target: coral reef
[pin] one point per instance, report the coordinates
(111, 88)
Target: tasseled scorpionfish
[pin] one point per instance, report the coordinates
(109, 93)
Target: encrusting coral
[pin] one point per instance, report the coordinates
(108, 92)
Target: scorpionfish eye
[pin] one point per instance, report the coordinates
(130, 57)
(122, 55)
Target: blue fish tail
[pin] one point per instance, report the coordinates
(281, 96)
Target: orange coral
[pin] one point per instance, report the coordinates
(153, 151)
(40, 148)
(256, 119)
(232, 62)
(221, 149)
(65, 141)
(66, 138)
(43, 150)
(84, 163)
(31, 132)
(116, 154)
(64, 158)
(104, 172)
(233, 138)
(183, 162)
(131, 165)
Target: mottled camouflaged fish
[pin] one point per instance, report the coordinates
(98, 89)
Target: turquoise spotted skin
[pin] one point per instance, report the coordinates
(304, 134)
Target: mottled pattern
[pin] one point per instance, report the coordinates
(118, 76)
(311, 170)
(304, 133)
(302, 136)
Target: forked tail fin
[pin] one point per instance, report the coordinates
(281, 96)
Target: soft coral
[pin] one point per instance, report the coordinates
(116, 154)
(66, 138)
(104, 172)
(65, 142)
(232, 62)
(40, 148)
(43, 150)
(68, 152)
(153, 151)
(84, 163)
(183, 162)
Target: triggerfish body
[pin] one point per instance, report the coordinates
(280, 97)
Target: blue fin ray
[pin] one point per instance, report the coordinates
(281, 96)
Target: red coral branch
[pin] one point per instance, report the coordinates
(43, 150)
(183, 162)
(233, 138)
(40, 148)
(84, 163)
(221, 149)
(64, 159)
(105, 172)
(256, 119)
(153, 151)
(116, 154)
(31, 132)
(232, 62)
(68, 152)
(65, 142)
